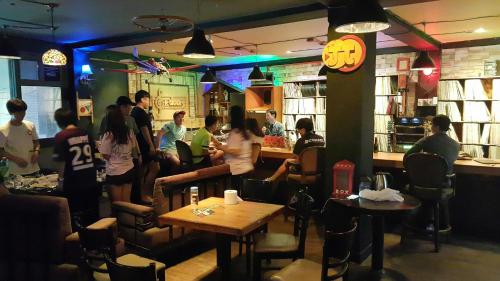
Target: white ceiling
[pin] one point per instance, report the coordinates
(444, 10)
(226, 53)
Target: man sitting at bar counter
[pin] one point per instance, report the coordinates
(439, 142)
(19, 140)
(307, 139)
(173, 130)
(273, 127)
(201, 141)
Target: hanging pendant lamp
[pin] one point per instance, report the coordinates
(423, 62)
(199, 47)
(256, 74)
(7, 51)
(208, 77)
(53, 57)
(323, 70)
(362, 16)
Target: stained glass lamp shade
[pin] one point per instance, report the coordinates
(54, 57)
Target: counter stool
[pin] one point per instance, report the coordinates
(432, 184)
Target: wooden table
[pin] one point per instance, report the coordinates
(277, 153)
(395, 160)
(378, 209)
(226, 221)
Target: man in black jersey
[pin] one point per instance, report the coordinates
(74, 149)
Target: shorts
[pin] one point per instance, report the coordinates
(128, 177)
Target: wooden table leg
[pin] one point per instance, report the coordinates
(223, 243)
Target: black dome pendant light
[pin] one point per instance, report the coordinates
(208, 77)
(362, 16)
(256, 74)
(199, 47)
(7, 51)
(423, 62)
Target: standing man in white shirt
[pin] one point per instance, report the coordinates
(19, 140)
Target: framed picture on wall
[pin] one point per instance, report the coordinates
(403, 64)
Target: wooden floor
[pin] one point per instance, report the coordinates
(461, 260)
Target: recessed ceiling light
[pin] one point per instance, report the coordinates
(153, 50)
(289, 52)
(480, 30)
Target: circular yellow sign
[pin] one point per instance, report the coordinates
(345, 54)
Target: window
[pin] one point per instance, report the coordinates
(42, 103)
(29, 69)
(5, 89)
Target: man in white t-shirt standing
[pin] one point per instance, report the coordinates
(19, 140)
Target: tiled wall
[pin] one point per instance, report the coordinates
(470, 62)
(282, 73)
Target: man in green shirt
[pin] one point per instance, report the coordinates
(173, 131)
(201, 141)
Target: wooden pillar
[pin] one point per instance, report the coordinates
(349, 127)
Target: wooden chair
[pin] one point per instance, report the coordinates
(335, 262)
(430, 182)
(307, 174)
(282, 245)
(256, 191)
(120, 272)
(97, 244)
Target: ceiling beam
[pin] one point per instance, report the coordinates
(383, 3)
(410, 35)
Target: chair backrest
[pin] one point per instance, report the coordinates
(312, 160)
(302, 215)
(185, 154)
(256, 190)
(32, 235)
(97, 244)
(426, 169)
(337, 246)
(120, 272)
(256, 149)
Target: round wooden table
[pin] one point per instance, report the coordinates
(378, 209)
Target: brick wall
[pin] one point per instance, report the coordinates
(385, 65)
(470, 62)
(282, 73)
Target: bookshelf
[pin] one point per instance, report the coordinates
(473, 105)
(388, 105)
(304, 99)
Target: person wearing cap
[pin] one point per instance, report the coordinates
(124, 104)
(173, 130)
(150, 166)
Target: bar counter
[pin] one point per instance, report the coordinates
(395, 160)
